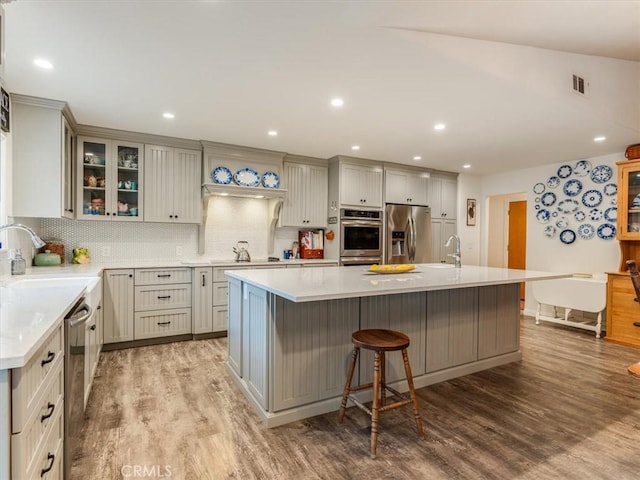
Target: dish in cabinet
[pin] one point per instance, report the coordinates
(591, 198)
(221, 175)
(247, 177)
(607, 231)
(270, 180)
(567, 236)
(601, 174)
(572, 188)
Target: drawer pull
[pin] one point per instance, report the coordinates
(49, 359)
(164, 297)
(166, 275)
(52, 458)
(51, 408)
(164, 323)
(636, 324)
(92, 327)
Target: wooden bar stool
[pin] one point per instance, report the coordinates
(380, 341)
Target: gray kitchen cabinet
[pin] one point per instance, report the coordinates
(496, 334)
(234, 356)
(202, 300)
(406, 187)
(172, 185)
(441, 230)
(360, 185)
(93, 333)
(443, 194)
(306, 202)
(452, 328)
(109, 180)
(43, 139)
(118, 305)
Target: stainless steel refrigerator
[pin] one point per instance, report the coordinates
(408, 234)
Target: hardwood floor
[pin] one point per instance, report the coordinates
(569, 410)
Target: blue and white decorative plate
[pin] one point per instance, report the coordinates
(601, 174)
(635, 203)
(548, 199)
(595, 214)
(580, 215)
(553, 182)
(610, 189)
(537, 200)
(607, 231)
(562, 222)
(567, 236)
(564, 171)
(247, 177)
(611, 214)
(591, 198)
(221, 175)
(572, 188)
(586, 231)
(543, 216)
(568, 206)
(582, 168)
(270, 180)
(538, 188)
(549, 231)
(554, 214)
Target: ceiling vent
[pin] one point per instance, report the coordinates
(580, 85)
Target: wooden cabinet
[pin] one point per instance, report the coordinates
(623, 312)
(172, 179)
(43, 140)
(118, 306)
(443, 193)
(628, 223)
(406, 187)
(441, 230)
(306, 202)
(360, 185)
(110, 180)
(37, 406)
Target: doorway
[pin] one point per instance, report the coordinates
(517, 239)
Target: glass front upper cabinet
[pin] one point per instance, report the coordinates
(628, 225)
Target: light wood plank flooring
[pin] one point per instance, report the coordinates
(569, 410)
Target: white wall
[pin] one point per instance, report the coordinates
(469, 187)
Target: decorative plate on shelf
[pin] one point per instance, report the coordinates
(549, 231)
(562, 222)
(586, 231)
(572, 188)
(610, 189)
(611, 214)
(543, 216)
(607, 231)
(538, 188)
(567, 236)
(601, 174)
(553, 182)
(591, 198)
(548, 199)
(582, 168)
(580, 215)
(221, 175)
(595, 214)
(564, 171)
(270, 180)
(400, 268)
(247, 177)
(568, 206)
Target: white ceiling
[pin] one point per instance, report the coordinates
(498, 73)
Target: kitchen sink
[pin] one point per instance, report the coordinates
(49, 282)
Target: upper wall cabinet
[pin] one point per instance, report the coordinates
(443, 193)
(172, 179)
(306, 202)
(43, 143)
(406, 187)
(110, 182)
(360, 185)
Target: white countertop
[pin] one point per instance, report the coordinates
(327, 283)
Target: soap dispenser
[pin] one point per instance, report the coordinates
(18, 264)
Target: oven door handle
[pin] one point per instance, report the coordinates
(361, 223)
(80, 315)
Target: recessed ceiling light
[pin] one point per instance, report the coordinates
(438, 127)
(223, 194)
(355, 147)
(337, 102)
(272, 133)
(466, 165)
(259, 196)
(417, 157)
(601, 138)
(43, 63)
(168, 115)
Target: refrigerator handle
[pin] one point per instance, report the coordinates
(412, 240)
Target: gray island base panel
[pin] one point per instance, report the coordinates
(290, 331)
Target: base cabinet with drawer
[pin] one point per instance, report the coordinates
(623, 312)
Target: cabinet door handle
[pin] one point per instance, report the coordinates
(164, 323)
(92, 327)
(636, 324)
(51, 408)
(52, 458)
(170, 216)
(166, 275)
(50, 356)
(203, 278)
(164, 297)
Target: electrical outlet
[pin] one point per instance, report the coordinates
(179, 251)
(106, 251)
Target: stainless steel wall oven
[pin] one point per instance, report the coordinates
(361, 236)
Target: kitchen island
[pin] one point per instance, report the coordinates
(290, 330)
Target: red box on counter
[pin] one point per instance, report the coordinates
(311, 243)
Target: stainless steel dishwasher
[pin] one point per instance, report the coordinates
(74, 358)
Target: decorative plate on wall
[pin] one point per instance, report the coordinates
(610, 189)
(562, 222)
(553, 182)
(568, 206)
(582, 168)
(595, 214)
(611, 214)
(580, 215)
(601, 174)
(567, 236)
(572, 188)
(586, 231)
(591, 198)
(549, 231)
(543, 216)
(538, 188)
(607, 231)
(564, 171)
(548, 199)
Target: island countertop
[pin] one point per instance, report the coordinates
(327, 283)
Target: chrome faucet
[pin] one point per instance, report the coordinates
(37, 241)
(456, 255)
